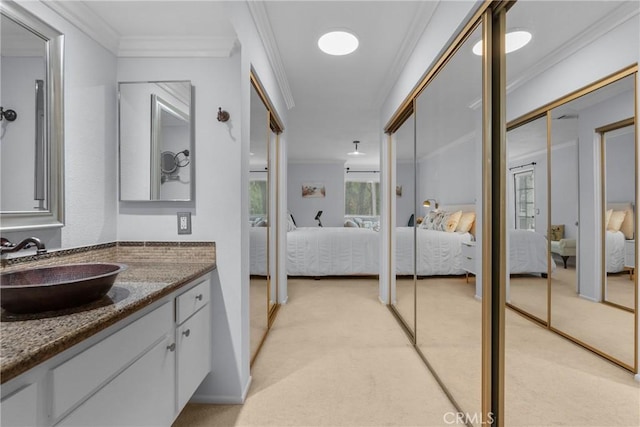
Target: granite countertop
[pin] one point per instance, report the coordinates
(27, 340)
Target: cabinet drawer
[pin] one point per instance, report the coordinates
(191, 301)
(468, 251)
(193, 341)
(469, 264)
(142, 395)
(19, 409)
(81, 375)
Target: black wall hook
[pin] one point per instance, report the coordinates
(10, 115)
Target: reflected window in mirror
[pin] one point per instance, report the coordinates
(31, 125)
(156, 141)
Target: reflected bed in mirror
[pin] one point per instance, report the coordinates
(156, 141)
(32, 122)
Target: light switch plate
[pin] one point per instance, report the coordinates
(184, 222)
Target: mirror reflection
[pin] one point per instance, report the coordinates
(577, 307)
(156, 147)
(527, 218)
(618, 183)
(31, 121)
(448, 152)
(260, 242)
(403, 281)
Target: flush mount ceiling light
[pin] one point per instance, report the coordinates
(338, 43)
(514, 40)
(356, 152)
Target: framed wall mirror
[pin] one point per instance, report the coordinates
(156, 141)
(31, 122)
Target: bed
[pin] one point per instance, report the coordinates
(528, 253)
(258, 251)
(619, 225)
(332, 251)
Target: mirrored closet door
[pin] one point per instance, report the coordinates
(448, 250)
(527, 208)
(403, 291)
(259, 218)
(592, 310)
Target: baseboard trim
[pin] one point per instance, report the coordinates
(215, 399)
(637, 377)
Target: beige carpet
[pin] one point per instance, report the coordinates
(620, 289)
(334, 357)
(549, 380)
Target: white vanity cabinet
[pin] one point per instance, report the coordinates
(141, 373)
(193, 341)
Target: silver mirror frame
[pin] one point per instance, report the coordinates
(54, 216)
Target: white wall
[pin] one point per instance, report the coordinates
(620, 171)
(90, 140)
(304, 210)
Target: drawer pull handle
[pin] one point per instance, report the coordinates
(171, 347)
(199, 297)
(186, 333)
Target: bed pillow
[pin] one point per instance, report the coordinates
(557, 232)
(607, 218)
(466, 222)
(350, 223)
(627, 225)
(442, 221)
(615, 222)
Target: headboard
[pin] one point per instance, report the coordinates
(470, 207)
(627, 228)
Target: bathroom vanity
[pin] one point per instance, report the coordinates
(133, 358)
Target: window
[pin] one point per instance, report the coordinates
(362, 198)
(525, 200)
(257, 198)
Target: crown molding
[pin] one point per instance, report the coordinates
(263, 26)
(87, 21)
(176, 47)
(617, 17)
(90, 23)
(419, 23)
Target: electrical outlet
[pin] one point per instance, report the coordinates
(184, 222)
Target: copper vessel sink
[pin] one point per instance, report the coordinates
(56, 287)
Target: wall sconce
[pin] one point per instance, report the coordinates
(317, 218)
(431, 202)
(223, 116)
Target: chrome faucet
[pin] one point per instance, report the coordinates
(6, 246)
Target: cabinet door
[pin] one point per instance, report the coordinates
(193, 339)
(142, 395)
(19, 409)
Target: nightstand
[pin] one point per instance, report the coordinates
(630, 256)
(469, 258)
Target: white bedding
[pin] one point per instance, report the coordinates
(258, 251)
(439, 252)
(528, 252)
(332, 251)
(615, 251)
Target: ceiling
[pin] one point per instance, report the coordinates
(336, 100)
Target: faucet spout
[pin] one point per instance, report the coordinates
(6, 246)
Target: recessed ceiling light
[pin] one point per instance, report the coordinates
(338, 43)
(356, 152)
(514, 40)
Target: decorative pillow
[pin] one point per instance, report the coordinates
(442, 221)
(615, 222)
(466, 222)
(557, 232)
(627, 225)
(451, 221)
(350, 223)
(261, 223)
(607, 218)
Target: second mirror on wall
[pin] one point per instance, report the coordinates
(156, 141)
